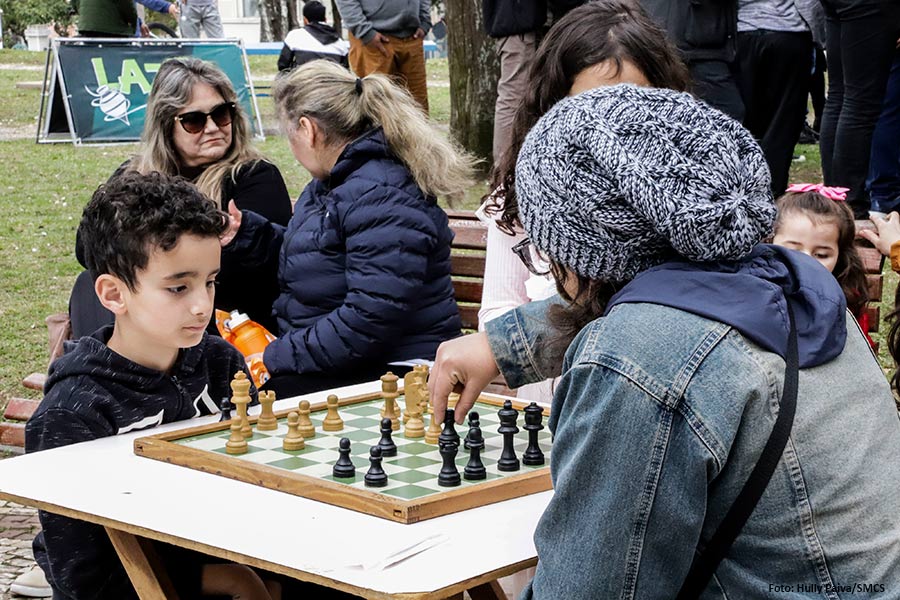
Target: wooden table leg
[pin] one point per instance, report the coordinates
(488, 591)
(143, 566)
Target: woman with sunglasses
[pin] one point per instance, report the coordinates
(194, 127)
(598, 44)
(364, 264)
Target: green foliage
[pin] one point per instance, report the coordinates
(19, 14)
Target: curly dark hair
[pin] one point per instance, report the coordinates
(132, 214)
(604, 30)
(848, 270)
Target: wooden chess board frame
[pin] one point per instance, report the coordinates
(162, 447)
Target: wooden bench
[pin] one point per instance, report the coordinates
(467, 256)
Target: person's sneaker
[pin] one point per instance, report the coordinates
(808, 135)
(31, 584)
(799, 158)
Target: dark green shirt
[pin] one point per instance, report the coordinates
(115, 17)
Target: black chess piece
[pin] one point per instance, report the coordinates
(376, 477)
(534, 415)
(449, 475)
(226, 407)
(386, 443)
(508, 415)
(448, 434)
(474, 421)
(344, 467)
(474, 469)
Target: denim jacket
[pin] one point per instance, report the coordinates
(658, 420)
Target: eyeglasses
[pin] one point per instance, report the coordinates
(195, 121)
(533, 259)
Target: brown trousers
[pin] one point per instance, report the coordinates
(405, 63)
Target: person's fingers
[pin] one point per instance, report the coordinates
(873, 237)
(440, 385)
(467, 397)
(868, 234)
(464, 365)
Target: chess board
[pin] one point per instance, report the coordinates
(412, 493)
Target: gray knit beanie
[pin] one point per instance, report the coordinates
(619, 179)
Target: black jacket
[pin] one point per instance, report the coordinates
(313, 42)
(503, 18)
(91, 393)
(702, 29)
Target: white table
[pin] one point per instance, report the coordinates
(136, 498)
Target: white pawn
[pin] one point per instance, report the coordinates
(333, 421)
(307, 429)
(293, 440)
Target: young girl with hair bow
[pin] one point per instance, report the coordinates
(815, 219)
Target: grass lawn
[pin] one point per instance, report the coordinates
(46, 186)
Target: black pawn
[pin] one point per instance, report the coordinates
(449, 475)
(386, 443)
(508, 415)
(534, 415)
(226, 407)
(376, 477)
(475, 470)
(474, 421)
(449, 435)
(344, 467)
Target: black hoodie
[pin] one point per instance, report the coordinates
(313, 42)
(92, 392)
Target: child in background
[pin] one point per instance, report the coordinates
(814, 219)
(152, 247)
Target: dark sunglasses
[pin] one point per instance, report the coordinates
(195, 121)
(533, 259)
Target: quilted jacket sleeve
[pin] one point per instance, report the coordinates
(388, 244)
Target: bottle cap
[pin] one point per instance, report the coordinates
(237, 318)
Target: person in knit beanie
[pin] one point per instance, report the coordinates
(619, 179)
(681, 335)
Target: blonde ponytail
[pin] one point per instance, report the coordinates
(345, 108)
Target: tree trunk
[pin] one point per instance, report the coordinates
(276, 19)
(474, 70)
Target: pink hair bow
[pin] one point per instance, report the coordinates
(838, 194)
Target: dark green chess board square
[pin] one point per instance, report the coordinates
(356, 435)
(488, 476)
(413, 462)
(418, 448)
(250, 450)
(358, 477)
(366, 409)
(295, 463)
(409, 492)
(411, 476)
(363, 423)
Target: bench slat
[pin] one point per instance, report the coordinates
(468, 291)
(469, 265)
(20, 409)
(469, 235)
(469, 317)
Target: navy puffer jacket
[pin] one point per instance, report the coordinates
(364, 267)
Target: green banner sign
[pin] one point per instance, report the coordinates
(98, 88)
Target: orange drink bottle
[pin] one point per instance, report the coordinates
(251, 339)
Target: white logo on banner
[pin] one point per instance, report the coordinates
(112, 103)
